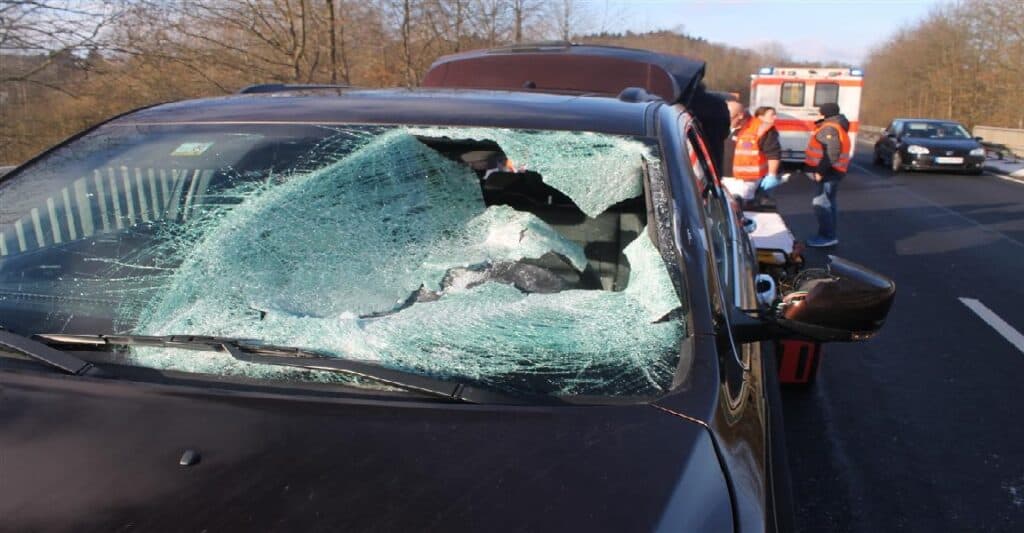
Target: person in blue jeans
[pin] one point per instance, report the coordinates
(827, 211)
(827, 160)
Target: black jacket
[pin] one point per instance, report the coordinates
(833, 147)
(713, 114)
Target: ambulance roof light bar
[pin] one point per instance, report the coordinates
(766, 70)
(856, 72)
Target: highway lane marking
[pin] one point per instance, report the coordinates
(1001, 326)
(1018, 181)
(965, 218)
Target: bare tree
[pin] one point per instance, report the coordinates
(975, 68)
(566, 18)
(36, 35)
(491, 17)
(332, 23)
(524, 12)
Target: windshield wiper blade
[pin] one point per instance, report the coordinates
(254, 351)
(51, 356)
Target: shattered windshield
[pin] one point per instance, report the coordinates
(517, 259)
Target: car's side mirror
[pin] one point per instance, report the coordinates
(848, 302)
(890, 134)
(979, 139)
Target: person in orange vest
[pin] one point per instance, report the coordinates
(752, 152)
(770, 146)
(827, 159)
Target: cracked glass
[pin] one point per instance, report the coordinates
(516, 259)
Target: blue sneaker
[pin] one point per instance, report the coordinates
(822, 242)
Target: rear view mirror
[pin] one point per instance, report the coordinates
(979, 139)
(847, 302)
(843, 302)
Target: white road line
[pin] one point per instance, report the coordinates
(1004, 177)
(1007, 331)
(965, 218)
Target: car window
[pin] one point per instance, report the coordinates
(935, 130)
(951, 130)
(716, 211)
(513, 258)
(721, 225)
(792, 94)
(826, 93)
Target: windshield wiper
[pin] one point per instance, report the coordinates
(254, 351)
(43, 353)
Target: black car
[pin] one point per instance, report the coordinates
(926, 144)
(393, 310)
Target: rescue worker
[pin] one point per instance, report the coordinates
(737, 118)
(770, 146)
(753, 152)
(827, 159)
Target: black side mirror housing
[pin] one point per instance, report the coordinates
(848, 303)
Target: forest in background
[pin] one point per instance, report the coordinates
(963, 62)
(68, 64)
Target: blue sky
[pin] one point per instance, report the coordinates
(817, 30)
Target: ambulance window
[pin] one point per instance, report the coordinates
(826, 93)
(792, 93)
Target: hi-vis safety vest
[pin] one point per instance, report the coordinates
(748, 162)
(815, 151)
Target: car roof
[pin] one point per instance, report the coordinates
(929, 120)
(455, 107)
(570, 67)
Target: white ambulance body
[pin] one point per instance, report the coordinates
(796, 93)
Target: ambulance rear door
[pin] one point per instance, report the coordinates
(796, 94)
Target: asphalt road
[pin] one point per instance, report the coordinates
(919, 429)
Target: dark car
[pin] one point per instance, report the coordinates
(925, 144)
(394, 310)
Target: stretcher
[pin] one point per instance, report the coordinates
(780, 256)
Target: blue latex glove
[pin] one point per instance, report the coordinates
(770, 182)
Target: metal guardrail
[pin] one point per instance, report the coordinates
(1006, 143)
(870, 133)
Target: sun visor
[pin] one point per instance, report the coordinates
(570, 68)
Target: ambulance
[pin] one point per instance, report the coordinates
(796, 93)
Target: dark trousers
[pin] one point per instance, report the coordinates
(826, 208)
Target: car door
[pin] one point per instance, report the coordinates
(740, 420)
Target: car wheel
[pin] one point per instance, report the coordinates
(975, 171)
(878, 161)
(897, 163)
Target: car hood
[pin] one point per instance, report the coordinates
(82, 454)
(942, 144)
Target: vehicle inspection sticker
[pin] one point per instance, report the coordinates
(191, 149)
